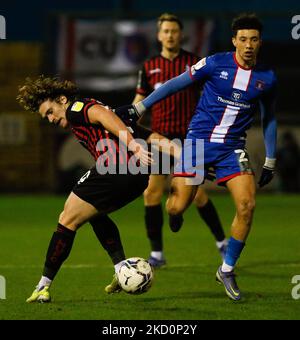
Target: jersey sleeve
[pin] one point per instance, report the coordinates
(203, 68)
(267, 110)
(171, 86)
(143, 86)
(77, 113)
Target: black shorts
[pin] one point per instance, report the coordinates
(109, 192)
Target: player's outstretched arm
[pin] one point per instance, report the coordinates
(171, 86)
(269, 124)
(99, 114)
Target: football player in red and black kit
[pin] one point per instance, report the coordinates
(170, 117)
(95, 195)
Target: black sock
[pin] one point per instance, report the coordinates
(211, 218)
(59, 249)
(108, 234)
(154, 223)
(175, 222)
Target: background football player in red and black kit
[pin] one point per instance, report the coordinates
(170, 118)
(95, 195)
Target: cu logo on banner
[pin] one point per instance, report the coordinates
(236, 95)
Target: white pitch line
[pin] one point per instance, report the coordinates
(71, 266)
(290, 265)
(82, 265)
(182, 265)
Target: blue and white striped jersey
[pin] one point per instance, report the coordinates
(230, 97)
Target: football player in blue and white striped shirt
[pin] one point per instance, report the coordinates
(235, 85)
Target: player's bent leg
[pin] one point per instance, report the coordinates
(242, 189)
(201, 198)
(209, 214)
(58, 251)
(108, 234)
(76, 212)
(154, 192)
(154, 218)
(181, 195)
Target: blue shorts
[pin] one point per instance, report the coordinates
(198, 157)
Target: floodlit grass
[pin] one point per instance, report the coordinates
(184, 290)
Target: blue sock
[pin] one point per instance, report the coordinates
(233, 251)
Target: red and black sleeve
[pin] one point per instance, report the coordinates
(143, 86)
(77, 112)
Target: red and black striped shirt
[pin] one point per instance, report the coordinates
(170, 116)
(94, 137)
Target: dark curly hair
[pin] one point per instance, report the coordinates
(246, 21)
(34, 92)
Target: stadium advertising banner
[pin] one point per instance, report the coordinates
(103, 55)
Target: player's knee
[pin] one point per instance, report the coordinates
(246, 206)
(152, 195)
(175, 207)
(70, 219)
(201, 198)
(174, 210)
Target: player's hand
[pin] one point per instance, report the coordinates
(130, 112)
(127, 111)
(267, 172)
(142, 154)
(266, 176)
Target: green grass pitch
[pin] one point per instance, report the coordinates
(184, 290)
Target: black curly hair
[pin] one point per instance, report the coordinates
(246, 21)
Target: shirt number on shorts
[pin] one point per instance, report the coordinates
(243, 159)
(84, 177)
